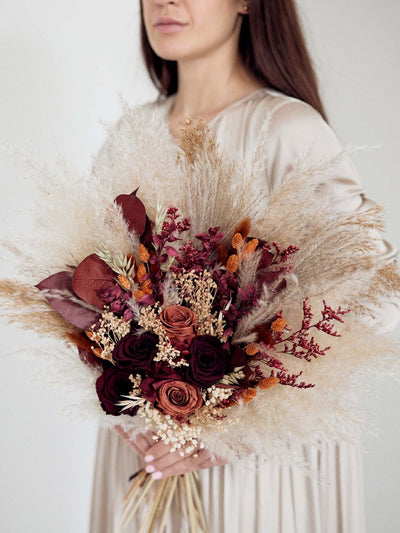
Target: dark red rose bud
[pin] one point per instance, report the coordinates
(208, 361)
(111, 387)
(135, 352)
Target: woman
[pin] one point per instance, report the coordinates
(231, 62)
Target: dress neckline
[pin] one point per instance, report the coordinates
(170, 99)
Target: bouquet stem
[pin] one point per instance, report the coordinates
(163, 494)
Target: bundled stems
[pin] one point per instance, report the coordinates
(163, 492)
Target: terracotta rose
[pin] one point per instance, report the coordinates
(178, 398)
(179, 323)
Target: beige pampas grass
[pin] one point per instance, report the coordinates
(27, 306)
(338, 260)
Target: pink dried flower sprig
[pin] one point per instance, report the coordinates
(279, 254)
(172, 229)
(300, 344)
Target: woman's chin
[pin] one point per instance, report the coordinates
(171, 53)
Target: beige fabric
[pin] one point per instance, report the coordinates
(267, 498)
(238, 499)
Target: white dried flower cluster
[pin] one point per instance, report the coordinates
(111, 329)
(198, 291)
(133, 398)
(136, 380)
(212, 416)
(166, 352)
(181, 436)
(150, 321)
(213, 396)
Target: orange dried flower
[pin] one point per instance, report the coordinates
(141, 272)
(264, 334)
(143, 253)
(124, 282)
(138, 294)
(278, 324)
(250, 248)
(98, 352)
(248, 394)
(232, 264)
(251, 349)
(267, 383)
(244, 228)
(237, 240)
(79, 340)
(91, 335)
(146, 287)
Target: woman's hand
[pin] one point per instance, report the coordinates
(162, 463)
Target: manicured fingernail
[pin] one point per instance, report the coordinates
(149, 458)
(150, 469)
(157, 475)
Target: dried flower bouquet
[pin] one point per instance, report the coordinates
(206, 319)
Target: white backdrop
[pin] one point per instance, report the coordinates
(62, 67)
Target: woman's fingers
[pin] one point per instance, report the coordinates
(197, 461)
(140, 443)
(161, 462)
(158, 450)
(185, 465)
(176, 460)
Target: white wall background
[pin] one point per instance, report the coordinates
(62, 67)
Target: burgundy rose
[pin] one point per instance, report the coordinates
(179, 323)
(135, 352)
(208, 361)
(178, 398)
(237, 359)
(111, 387)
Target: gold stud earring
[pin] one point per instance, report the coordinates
(246, 8)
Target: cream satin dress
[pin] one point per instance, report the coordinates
(268, 498)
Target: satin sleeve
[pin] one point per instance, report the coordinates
(297, 128)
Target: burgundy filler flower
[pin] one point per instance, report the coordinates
(208, 361)
(135, 352)
(178, 398)
(111, 386)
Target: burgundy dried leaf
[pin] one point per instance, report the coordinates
(92, 275)
(133, 211)
(72, 312)
(147, 236)
(171, 252)
(158, 240)
(148, 299)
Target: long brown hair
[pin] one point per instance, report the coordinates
(272, 46)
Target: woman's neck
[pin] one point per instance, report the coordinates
(209, 84)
